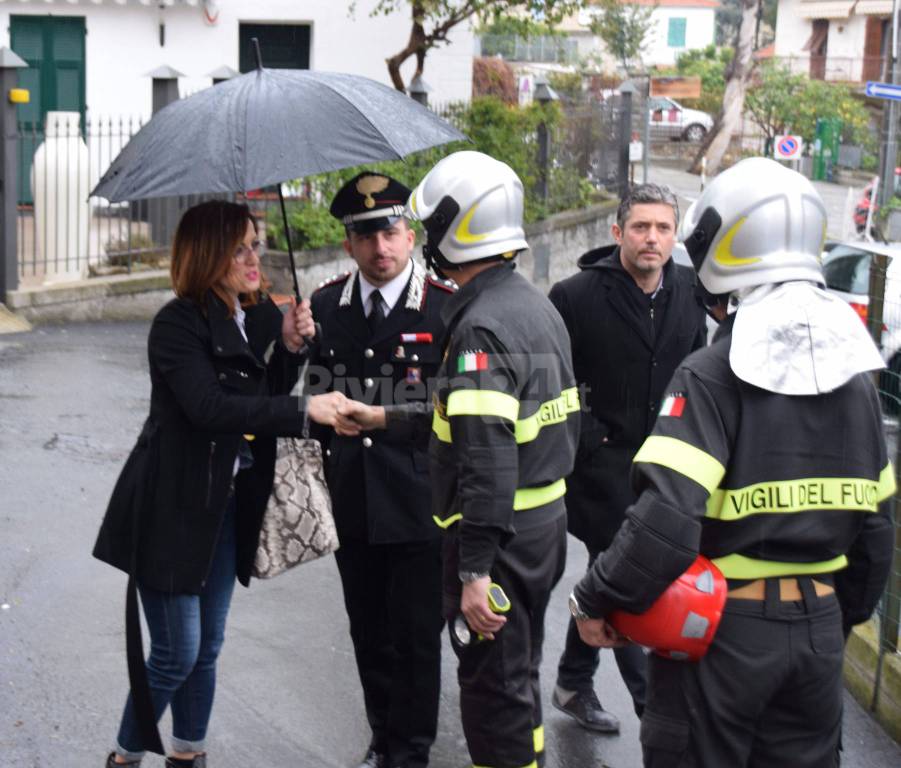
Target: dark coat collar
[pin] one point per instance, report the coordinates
(225, 336)
(607, 258)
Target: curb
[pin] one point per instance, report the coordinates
(861, 659)
(135, 296)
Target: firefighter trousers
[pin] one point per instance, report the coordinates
(768, 694)
(500, 696)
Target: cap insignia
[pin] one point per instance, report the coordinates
(370, 185)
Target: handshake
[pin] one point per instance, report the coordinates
(346, 417)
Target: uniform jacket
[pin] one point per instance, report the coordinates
(208, 388)
(379, 482)
(626, 346)
(763, 484)
(506, 415)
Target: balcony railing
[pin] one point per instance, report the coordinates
(545, 50)
(844, 69)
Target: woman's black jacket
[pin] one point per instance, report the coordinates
(208, 388)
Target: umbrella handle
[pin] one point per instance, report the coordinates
(281, 200)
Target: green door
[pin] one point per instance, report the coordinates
(54, 49)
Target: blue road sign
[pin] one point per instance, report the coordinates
(883, 91)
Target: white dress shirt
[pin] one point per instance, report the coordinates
(390, 291)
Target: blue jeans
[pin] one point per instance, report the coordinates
(186, 634)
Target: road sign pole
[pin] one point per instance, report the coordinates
(890, 158)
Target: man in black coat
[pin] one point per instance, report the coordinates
(381, 344)
(632, 316)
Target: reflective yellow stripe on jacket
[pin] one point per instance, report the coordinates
(856, 494)
(481, 402)
(737, 566)
(683, 458)
(524, 498)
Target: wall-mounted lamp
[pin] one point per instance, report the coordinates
(19, 96)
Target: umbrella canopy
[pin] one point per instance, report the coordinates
(266, 127)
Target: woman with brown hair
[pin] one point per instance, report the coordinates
(185, 516)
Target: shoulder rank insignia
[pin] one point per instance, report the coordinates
(445, 285)
(333, 280)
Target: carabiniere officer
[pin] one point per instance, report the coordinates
(380, 343)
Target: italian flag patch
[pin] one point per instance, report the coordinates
(673, 406)
(472, 361)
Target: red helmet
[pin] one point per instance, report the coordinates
(683, 620)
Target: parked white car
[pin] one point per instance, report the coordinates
(669, 118)
(846, 267)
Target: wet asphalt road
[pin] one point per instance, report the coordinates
(71, 404)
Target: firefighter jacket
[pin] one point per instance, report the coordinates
(379, 482)
(764, 484)
(505, 422)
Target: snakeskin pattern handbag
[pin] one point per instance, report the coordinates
(298, 525)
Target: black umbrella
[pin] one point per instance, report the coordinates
(266, 127)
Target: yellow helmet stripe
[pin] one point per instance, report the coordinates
(723, 253)
(462, 234)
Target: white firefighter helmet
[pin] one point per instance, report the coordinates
(757, 223)
(471, 207)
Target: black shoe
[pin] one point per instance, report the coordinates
(111, 761)
(374, 759)
(198, 761)
(585, 709)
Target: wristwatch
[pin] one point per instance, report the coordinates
(575, 609)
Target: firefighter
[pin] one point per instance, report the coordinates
(504, 433)
(768, 457)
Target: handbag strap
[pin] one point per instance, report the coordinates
(297, 390)
(134, 646)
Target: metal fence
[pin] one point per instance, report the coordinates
(585, 145)
(591, 139)
(63, 233)
(840, 69)
(537, 50)
(880, 307)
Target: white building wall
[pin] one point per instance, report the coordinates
(699, 33)
(122, 45)
(846, 37)
(844, 48)
(792, 30)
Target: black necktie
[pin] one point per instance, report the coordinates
(376, 314)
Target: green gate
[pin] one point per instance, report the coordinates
(54, 49)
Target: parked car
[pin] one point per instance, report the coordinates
(846, 267)
(669, 118)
